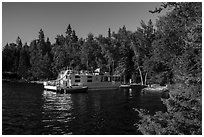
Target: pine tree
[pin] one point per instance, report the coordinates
(7, 59)
(69, 31)
(109, 33)
(41, 36)
(59, 55)
(74, 37)
(41, 45)
(18, 42)
(16, 55)
(125, 62)
(24, 64)
(35, 57)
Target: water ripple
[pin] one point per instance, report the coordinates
(27, 109)
(57, 112)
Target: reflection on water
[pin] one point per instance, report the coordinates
(28, 109)
(57, 111)
(130, 92)
(59, 101)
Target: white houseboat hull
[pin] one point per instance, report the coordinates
(53, 88)
(102, 86)
(74, 89)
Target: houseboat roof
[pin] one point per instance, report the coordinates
(84, 72)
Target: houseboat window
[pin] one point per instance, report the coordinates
(89, 76)
(116, 78)
(96, 78)
(110, 79)
(89, 80)
(105, 79)
(77, 76)
(77, 80)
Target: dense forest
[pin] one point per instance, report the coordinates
(169, 52)
(125, 53)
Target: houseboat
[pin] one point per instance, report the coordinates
(80, 81)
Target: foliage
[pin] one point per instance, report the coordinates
(24, 63)
(178, 48)
(125, 56)
(142, 41)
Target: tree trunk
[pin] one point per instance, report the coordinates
(87, 64)
(110, 69)
(124, 79)
(113, 72)
(146, 79)
(141, 78)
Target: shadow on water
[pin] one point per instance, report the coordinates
(21, 108)
(27, 109)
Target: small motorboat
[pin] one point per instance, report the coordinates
(124, 86)
(158, 89)
(137, 85)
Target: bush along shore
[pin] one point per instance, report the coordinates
(13, 77)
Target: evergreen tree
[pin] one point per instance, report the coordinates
(7, 58)
(41, 36)
(48, 46)
(74, 37)
(41, 45)
(16, 54)
(18, 42)
(69, 31)
(59, 55)
(109, 33)
(125, 62)
(45, 67)
(35, 57)
(89, 52)
(24, 64)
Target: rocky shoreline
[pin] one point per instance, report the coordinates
(22, 81)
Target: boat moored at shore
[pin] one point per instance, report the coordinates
(75, 81)
(155, 89)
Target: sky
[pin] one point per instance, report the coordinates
(26, 19)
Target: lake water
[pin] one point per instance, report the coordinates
(28, 109)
